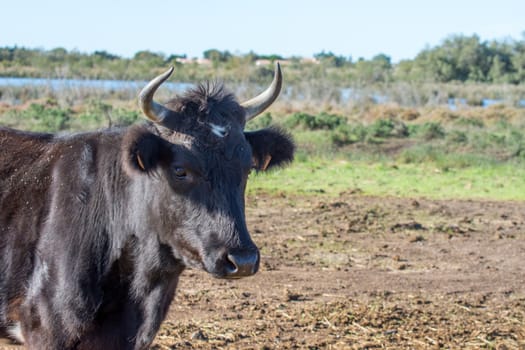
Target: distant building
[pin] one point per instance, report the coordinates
(260, 63)
(184, 60)
(194, 60)
(265, 62)
(309, 60)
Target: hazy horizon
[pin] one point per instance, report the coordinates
(400, 30)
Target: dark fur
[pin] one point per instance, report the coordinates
(92, 243)
(271, 141)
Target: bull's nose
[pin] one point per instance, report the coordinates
(242, 263)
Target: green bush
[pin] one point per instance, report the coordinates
(124, 117)
(384, 128)
(298, 119)
(44, 117)
(520, 152)
(497, 139)
(457, 136)
(517, 137)
(381, 128)
(314, 122)
(260, 122)
(86, 121)
(470, 122)
(328, 121)
(427, 131)
(100, 115)
(347, 134)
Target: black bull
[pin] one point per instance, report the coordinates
(96, 227)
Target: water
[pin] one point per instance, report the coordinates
(454, 103)
(65, 84)
(350, 94)
(347, 94)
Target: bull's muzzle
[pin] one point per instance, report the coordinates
(242, 263)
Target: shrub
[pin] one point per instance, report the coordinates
(520, 152)
(88, 121)
(124, 117)
(328, 121)
(346, 134)
(457, 136)
(44, 118)
(381, 128)
(260, 122)
(497, 139)
(314, 122)
(516, 137)
(427, 131)
(470, 122)
(298, 119)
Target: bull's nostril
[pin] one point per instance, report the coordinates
(241, 264)
(231, 265)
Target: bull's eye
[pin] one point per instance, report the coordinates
(180, 173)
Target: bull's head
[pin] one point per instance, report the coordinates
(195, 157)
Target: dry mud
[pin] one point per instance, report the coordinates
(358, 272)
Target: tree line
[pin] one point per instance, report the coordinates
(458, 58)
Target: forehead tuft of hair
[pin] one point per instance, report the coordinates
(207, 100)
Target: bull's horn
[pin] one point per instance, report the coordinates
(155, 112)
(258, 104)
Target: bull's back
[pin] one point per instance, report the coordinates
(25, 165)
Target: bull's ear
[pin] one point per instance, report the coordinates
(142, 151)
(271, 147)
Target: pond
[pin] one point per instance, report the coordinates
(61, 84)
(346, 94)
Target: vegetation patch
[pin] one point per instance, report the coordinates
(409, 179)
(465, 157)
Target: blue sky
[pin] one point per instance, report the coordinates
(362, 28)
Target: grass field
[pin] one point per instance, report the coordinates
(331, 177)
(380, 150)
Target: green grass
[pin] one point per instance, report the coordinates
(331, 177)
(476, 155)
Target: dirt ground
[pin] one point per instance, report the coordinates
(358, 272)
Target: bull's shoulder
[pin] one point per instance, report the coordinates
(16, 138)
(20, 150)
(26, 157)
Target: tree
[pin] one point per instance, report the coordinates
(57, 55)
(217, 56)
(148, 56)
(501, 70)
(458, 58)
(174, 57)
(105, 55)
(376, 70)
(518, 61)
(330, 59)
